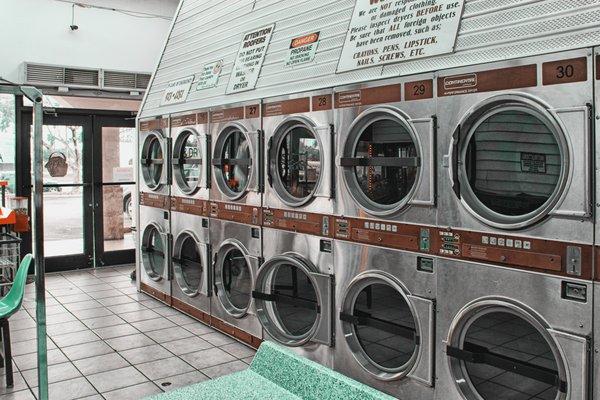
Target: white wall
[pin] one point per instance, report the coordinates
(38, 31)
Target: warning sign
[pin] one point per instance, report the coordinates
(302, 49)
(249, 60)
(209, 77)
(533, 163)
(391, 31)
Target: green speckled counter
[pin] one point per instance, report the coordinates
(278, 373)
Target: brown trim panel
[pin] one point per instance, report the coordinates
(296, 221)
(155, 200)
(237, 333)
(488, 81)
(153, 124)
(191, 311)
(189, 206)
(157, 294)
(235, 212)
(369, 96)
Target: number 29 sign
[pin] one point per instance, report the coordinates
(177, 91)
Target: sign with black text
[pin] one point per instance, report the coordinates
(302, 49)
(177, 91)
(209, 77)
(249, 60)
(391, 31)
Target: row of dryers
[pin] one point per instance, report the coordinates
(431, 236)
(412, 326)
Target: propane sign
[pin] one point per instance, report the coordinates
(302, 49)
(391, 31)
(177, 91)
(249, 60)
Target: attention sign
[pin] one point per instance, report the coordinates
(249, 60)
(391, 31)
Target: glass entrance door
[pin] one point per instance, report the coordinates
(68, 196)
(89, 188)
(114, 189)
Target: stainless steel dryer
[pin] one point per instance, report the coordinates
(299, 140)
(237, 155)
(596, 352)
(190, 156)
(294, 293)
(155, 253)
(153, 151)
(191, 265)
(385, 332)
(237, 253)
(516, 140)
(386, 150)
(507, 334)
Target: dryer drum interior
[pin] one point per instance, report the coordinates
(296, 160)
(499, 353)
(291, 309)
(187, 264)
(380, 328)
(233, 161)
(513, 163)
(233, 280)
(381, 160)
(153, 160)
(187, 161)
(154, 250)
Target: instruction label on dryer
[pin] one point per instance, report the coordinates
(390, 31)
(249, 59)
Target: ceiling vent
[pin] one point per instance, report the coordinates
(52, 75)
(125, 80)
(84, 78)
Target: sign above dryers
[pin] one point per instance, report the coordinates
(249, 59)
(391, 31)
(302, 49)
(177, 91)
(209, 77)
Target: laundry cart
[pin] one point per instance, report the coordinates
(10, 243)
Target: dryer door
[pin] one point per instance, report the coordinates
(300, 159)
(236, 160)
(191, 264)
(497, 350)
(389, 331)
(294, 301)
(155, 252)
(190, 161)
(154, 155)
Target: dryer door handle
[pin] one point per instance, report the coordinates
(455, 161)
(481, 355)
(366, 319)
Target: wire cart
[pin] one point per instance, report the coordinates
(10, 244)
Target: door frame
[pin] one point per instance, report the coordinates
(92, 121)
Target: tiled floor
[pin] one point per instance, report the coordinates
(107, 341)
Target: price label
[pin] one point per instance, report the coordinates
(177, 91)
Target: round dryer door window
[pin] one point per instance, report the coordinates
(513, 165)
(381, 163)
(379, 325)
(287, 301)
(152, 161)
(187, 161)
(234, 163)
(500, 354)
(187, 264)
(234, 281)
(298, 163)
(153, 252)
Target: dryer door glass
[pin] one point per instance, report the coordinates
(506, 357)
(385, 326)
(187, 161)
(152, 161)
(236, 282)
(187, 264)
(298, 163)
(382, 164)
(153, 252)
(513, 163)
(294, 300)
(235, 163)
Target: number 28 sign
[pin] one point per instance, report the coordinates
(177, 91)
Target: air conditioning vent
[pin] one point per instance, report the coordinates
(44, 74)
(126, 80)
(82, 77)
(142, 81)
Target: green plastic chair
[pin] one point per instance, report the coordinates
(9, 305)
